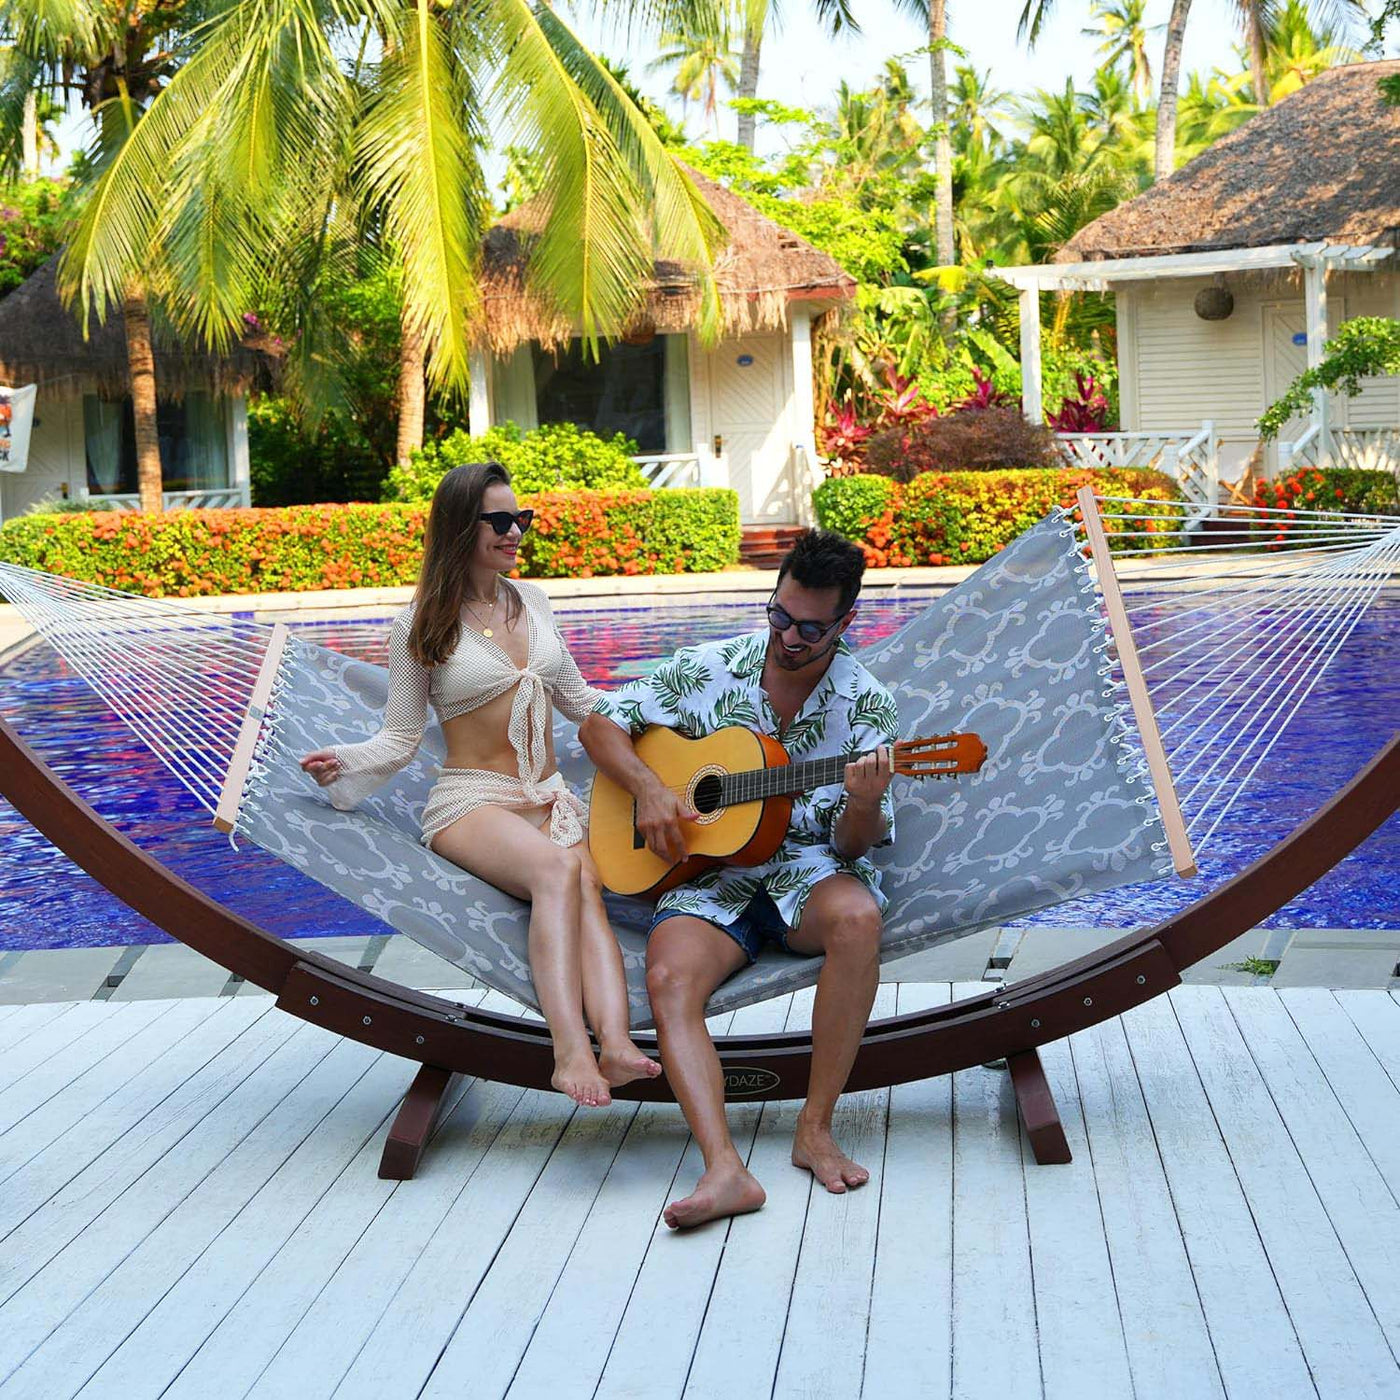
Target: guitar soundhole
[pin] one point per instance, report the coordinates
(707, 794)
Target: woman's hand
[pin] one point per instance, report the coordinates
(323, 765)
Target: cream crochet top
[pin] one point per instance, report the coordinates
(476, 673)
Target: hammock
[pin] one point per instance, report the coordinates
(1034, 652)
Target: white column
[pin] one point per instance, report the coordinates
(479, 399)
(1315, 305)
(1032, 403)
(239, 474)
(804, 415)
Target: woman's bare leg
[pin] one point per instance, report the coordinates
(605, 985)
(507, 850)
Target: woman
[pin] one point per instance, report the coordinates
(487, 654)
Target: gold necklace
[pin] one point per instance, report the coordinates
(486, 630)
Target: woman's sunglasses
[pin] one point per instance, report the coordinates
(501, 520)
(779, 619)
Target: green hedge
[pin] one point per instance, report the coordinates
(965, 517)
(1331, 488)
(191, 553)
(544, 459)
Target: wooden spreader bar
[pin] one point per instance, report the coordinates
(445, 1038)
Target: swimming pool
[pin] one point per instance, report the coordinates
(45, 902)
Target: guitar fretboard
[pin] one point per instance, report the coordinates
(783, 781)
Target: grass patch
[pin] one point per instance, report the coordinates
(1259, 967)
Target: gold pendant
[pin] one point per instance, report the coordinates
(487, 632)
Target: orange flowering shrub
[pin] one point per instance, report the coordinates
(966, 517)
(193, 553)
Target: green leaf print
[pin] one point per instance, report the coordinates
(734, 707)
(787, 879)
(683, 675)
(877, 709)
(805, 733)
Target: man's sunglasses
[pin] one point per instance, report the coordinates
(501, 520)
(779, 619)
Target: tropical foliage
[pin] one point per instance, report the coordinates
(1363, 346)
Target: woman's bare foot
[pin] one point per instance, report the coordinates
(621, 1063)
(579, 1078)
(815, 1150)
(724, 1190)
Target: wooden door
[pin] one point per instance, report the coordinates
(748, 412)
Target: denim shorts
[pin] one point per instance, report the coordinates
(760, 923)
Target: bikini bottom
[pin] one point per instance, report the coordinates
(462, 790)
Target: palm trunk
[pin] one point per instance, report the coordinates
(942, 145)
(1258, 67)
(141, 366)
(1164, 161)
(412, 395)
(748, 83)
(29, 138)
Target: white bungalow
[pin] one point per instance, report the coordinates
(738, 413)
(1228, 279)
(83, 441)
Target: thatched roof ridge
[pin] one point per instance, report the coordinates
(1322, 164)
(41, 342)
(761, 269)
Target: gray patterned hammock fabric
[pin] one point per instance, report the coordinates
(1062, 807)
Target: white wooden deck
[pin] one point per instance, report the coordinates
(189, 1207)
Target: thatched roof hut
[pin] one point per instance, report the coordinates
(762, 268)
(1324, 164)
(41, 342)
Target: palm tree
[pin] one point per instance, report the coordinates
(1296, 51)
(115, 59)
(1124, 35)
(702, 59)
(261, 163)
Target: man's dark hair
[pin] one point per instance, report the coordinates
(824, 559)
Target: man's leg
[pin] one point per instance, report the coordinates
(842, 921)
(687, 959)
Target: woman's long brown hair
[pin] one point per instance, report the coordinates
(448, 544)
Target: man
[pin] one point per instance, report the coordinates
(820, 895)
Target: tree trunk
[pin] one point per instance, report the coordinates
(1258, 66)
(412, 395)
(1164, 161)
(141, 366)
(29, 137)
(945, 249)
(748, 83)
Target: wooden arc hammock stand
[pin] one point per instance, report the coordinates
(447, 1039)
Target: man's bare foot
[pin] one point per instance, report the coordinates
(580, 1078)
(622, 1063)
(815, 1150)
(722, 1191)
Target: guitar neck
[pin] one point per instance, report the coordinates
(784, 781)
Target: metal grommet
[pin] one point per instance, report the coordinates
(315, 1001)
(418, 1040)
(367, 1020)
(1142, 981)
(1088, 1001)
(1035, 1025)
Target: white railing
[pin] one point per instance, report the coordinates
(668, 469)
(178, 500)
(1191, 457)
(1368, 449)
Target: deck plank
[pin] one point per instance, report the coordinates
(1164, 1327)
(1083, 1350)
(741, 1336)
(418, 1323)
(1255, 1344)
(31, 1018)
(61, 1040)
(106, 1100)
(116, 1306)
(909, 1351)
(70, 1245)
(1377, 1016)
(1351, 1189)
(993, 1287)
(1345, 1348)
(647, 1361)
(823, 1351)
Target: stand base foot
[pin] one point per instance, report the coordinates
(413, 1124)
(1037, 1108)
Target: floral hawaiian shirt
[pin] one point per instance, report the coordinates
(705, 688)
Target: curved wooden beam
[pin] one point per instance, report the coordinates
(1002, 1022)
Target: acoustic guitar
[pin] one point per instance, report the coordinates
(741, 785)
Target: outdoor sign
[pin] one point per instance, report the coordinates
(16, 422)
(1300, 337)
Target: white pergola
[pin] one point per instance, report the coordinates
(1315, 260)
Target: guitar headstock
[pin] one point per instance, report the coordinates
(939, 755)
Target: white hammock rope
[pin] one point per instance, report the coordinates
(1233, 636)
(1232, 643)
